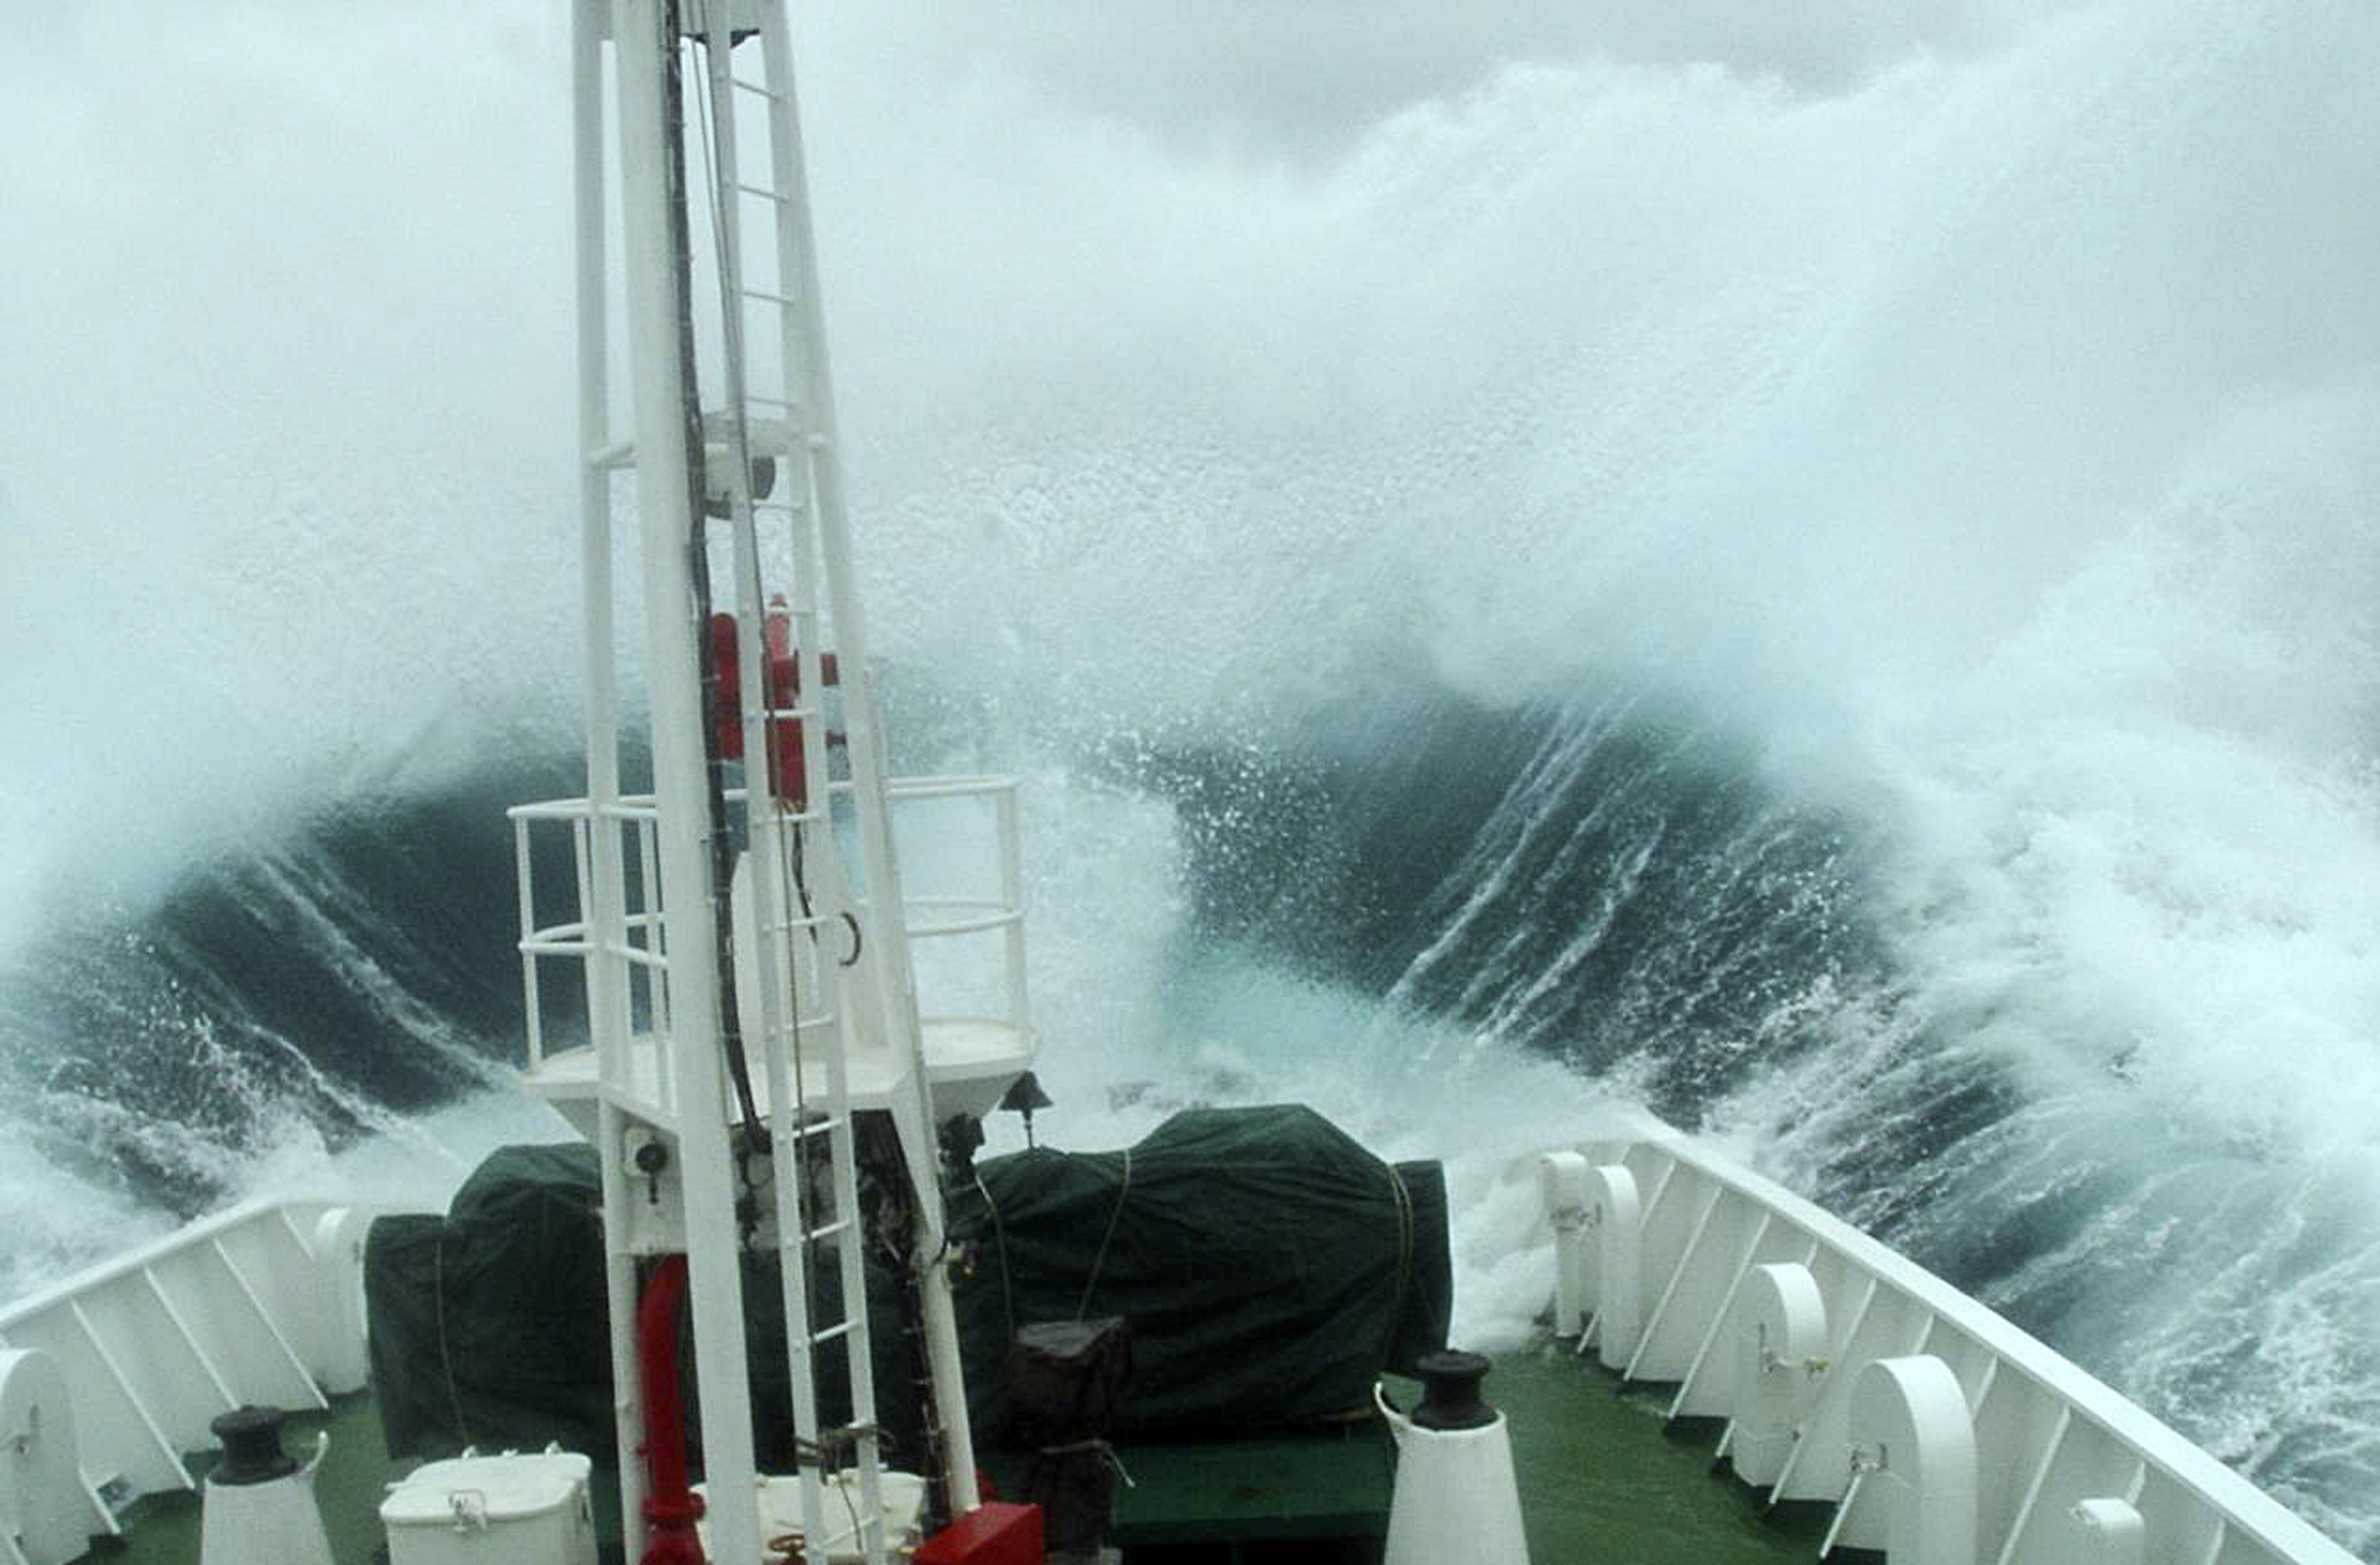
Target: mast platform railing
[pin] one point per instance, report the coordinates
(559, 939)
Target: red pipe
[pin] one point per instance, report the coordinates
(670, 1505)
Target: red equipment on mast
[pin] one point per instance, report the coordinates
(788, 771)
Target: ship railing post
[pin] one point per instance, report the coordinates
(1012, 903)
(532, 1012)
(1561, 1185)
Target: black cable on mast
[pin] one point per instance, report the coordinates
(698, 562)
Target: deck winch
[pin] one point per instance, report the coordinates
(259, 1503)
(1457, 1497)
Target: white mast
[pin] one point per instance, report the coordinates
(750, 1001)
(652, 223)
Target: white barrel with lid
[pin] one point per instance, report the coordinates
(493, 1511)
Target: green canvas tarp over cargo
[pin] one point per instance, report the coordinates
(1269, 1266)
(486, 1326)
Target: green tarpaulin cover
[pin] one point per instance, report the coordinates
(487, 1325)
(1269, 1266)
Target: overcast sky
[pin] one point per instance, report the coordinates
(286, 322)
(1303, 77)
(1296, 77)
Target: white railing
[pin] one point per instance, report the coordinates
(263, 1304)
(628, 829)
(1847, 1374)
(999, 911)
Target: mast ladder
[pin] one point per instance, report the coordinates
(772, 376)
(787, 968)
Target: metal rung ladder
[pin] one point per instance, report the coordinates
(759, 981)
(786, 849)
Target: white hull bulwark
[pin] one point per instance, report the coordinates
(1849, 1377)
(261, 1304)
(1852, 1377)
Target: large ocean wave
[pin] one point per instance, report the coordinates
(1832, 605)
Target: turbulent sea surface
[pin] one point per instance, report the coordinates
(1835, 607)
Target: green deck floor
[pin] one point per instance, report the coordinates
(1600, 1479)
(1331, 1485)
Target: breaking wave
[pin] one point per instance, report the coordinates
(1839, 612)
